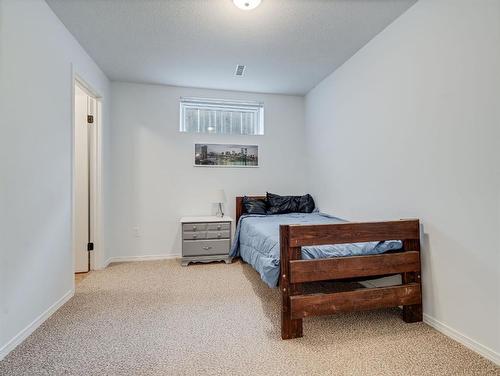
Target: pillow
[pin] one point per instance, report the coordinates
(255, 205)
(289, 204)
(306, 204)
(281, 204)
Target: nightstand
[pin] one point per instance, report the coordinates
(206, 239)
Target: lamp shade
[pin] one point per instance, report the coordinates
(219, 196)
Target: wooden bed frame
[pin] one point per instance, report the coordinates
(296, 272)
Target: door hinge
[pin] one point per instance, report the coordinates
(90, 119)
(90, 246)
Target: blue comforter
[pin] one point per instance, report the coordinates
(256, 241)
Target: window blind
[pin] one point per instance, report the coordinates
(200, 115)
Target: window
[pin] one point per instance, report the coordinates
(221, 116)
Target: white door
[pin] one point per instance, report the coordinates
(85, 105)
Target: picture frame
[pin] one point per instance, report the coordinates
(226, 155)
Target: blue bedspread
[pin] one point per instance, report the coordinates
(256, 241)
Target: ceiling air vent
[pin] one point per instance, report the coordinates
(240, 69)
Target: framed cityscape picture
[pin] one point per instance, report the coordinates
(226, 155)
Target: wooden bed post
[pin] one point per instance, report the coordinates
(413, 313)
(290, 328)
(239, 209)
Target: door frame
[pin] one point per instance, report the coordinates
(96, 256)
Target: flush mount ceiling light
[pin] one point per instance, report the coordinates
(247, 4)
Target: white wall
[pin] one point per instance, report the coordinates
(36, 57)
(406, 128)
(409, 127)
(153, 178)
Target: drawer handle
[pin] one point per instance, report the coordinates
(207, 247)
(194, 228)
(195, 236)
(219, 227)
(219, 235)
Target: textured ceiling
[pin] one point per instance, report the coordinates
(288, 46)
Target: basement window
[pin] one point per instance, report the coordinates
(217, 116)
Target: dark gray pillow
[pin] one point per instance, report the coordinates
(255, 205)
(289, 204)
(306, 204)
(281, 204)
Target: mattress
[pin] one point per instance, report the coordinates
(256, 241)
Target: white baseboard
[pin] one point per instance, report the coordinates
(25, 333)
(464, 340)
(139, 258)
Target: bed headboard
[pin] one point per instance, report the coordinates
(240, 208)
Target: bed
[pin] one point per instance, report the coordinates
(294, 249)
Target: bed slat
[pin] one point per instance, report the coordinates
(353, 232)
(356, 300)
(354, 266)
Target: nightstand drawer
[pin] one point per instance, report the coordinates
(217, 226)
(205, 247)
(194, 235)
(218, 234)
(194, 227)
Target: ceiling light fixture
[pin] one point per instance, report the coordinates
(247, 4)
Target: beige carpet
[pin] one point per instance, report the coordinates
(158, 318)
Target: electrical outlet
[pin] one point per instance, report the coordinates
(137, 233)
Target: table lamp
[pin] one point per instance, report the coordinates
(219, 198)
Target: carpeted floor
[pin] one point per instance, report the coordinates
(158, 318)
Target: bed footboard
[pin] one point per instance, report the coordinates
(295, 272)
